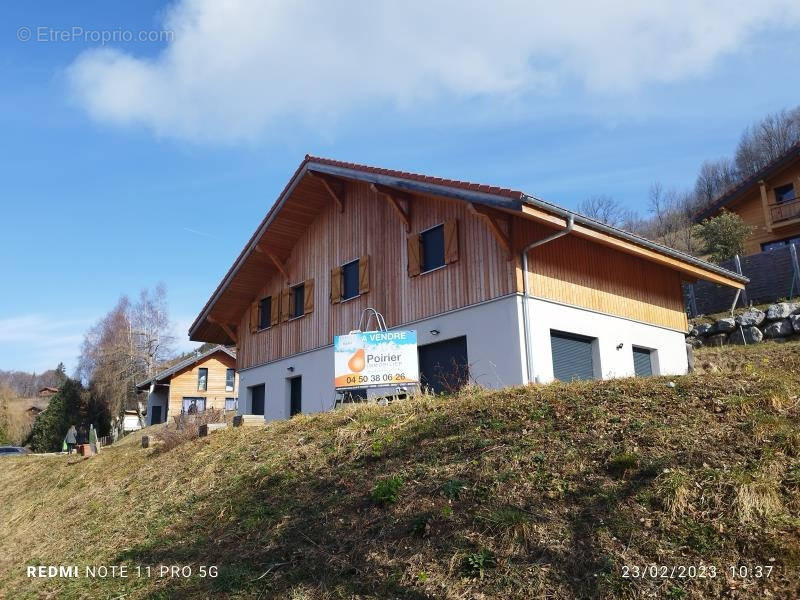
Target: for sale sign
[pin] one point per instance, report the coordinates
(375, 358)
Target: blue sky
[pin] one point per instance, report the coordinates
(126, 164)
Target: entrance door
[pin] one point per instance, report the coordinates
(295, 396)
(155, 415)
(257, 400)
(443, 366)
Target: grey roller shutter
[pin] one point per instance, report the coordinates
(642, 365)
(572, 356)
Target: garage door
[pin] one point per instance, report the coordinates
(443, 366)
(642, 365)
(572, 356)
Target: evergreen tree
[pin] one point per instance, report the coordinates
(51, 425)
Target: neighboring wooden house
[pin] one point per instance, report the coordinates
(768, 201)
(454, 261)
(46, 392)
(202, 381)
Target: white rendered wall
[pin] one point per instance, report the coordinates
(670, 346)
(495, 352)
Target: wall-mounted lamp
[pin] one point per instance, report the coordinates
(619, 346)
(434, 332)
(290, 369)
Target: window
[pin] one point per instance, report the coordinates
(780, 243)
(642, 363)
(295, 396)
(202, 379)
(432, 242)
(350, 280)
(230, 379)
(572, 356)
(264, 312)
(784, 193)
(298, 294)
(193, 406)
(231, 404)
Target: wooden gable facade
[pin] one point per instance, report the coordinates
(326, 222)
(184, 383)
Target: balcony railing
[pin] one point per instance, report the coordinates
(785, 210)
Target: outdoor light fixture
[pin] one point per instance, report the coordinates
(434, 332)
(290, 369)
(619, 346)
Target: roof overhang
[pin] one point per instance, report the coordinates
(305, 195)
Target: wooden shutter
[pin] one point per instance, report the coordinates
(308, 300)
(413, 255)
(336, 285)
(451, 241)
(254, 317)
(363, 274)
(275, 310)
(284, 304)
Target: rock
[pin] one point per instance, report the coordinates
(694, 342)
(795, 321)
(779, 329)
(746, 335)
(718, 339)
(724, 325)
(780, 310)
(751, 317)
(700, 330)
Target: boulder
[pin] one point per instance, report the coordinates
(700, 330)
(779, 329)
(718, 339)
(751, 317)
(724, 325)
(795, 321)
(781, 310)
(746, 335)
(694, 342)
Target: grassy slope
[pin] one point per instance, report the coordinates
(553, 489)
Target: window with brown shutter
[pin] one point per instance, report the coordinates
(275, 310)
(363, 274)
(254, 317)
(285, 304)
(413, 255)
(451, 241)
(336, 285)
(308, 303)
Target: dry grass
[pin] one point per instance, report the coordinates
(504, 495)
(15, 419)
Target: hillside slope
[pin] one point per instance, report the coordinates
(526, 493)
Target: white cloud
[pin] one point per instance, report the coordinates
(237, 68)
(38, 342)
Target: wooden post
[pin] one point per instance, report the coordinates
(145, 441)
(765, 205)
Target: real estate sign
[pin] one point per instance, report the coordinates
(375, 358)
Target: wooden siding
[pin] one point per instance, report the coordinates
(184, 383)
(370, 226)
(578, 272)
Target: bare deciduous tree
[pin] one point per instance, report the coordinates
(609, 211)
(767, 140)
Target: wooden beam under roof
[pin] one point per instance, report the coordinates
(275, 261)
(334, 186)
(494, 226)
(228, 329)
(394, 197)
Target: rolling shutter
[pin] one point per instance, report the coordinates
(275, 310)
(363, 274)
(308, 296)
(284, 304)
(336, 285)
(642, 365)
(451, 241)
(413, 255)
(572, 356)
(254, 317)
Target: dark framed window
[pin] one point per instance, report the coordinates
(432, 242)
(202, 379)
(784, 193)
(264, 312)
(295, 395)
(231, 404)
(230, 379)
(572, 356)
(780, 243)
(193, 405)
(350, 280)
(298, 293)
(642, 361)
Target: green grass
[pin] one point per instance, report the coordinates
(546, 491)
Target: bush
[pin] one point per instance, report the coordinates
(187, 427)
(386, 490)
(723, 236)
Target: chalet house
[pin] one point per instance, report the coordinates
(206, 380)
(768, 201)
(495, 282)
(47, 392)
